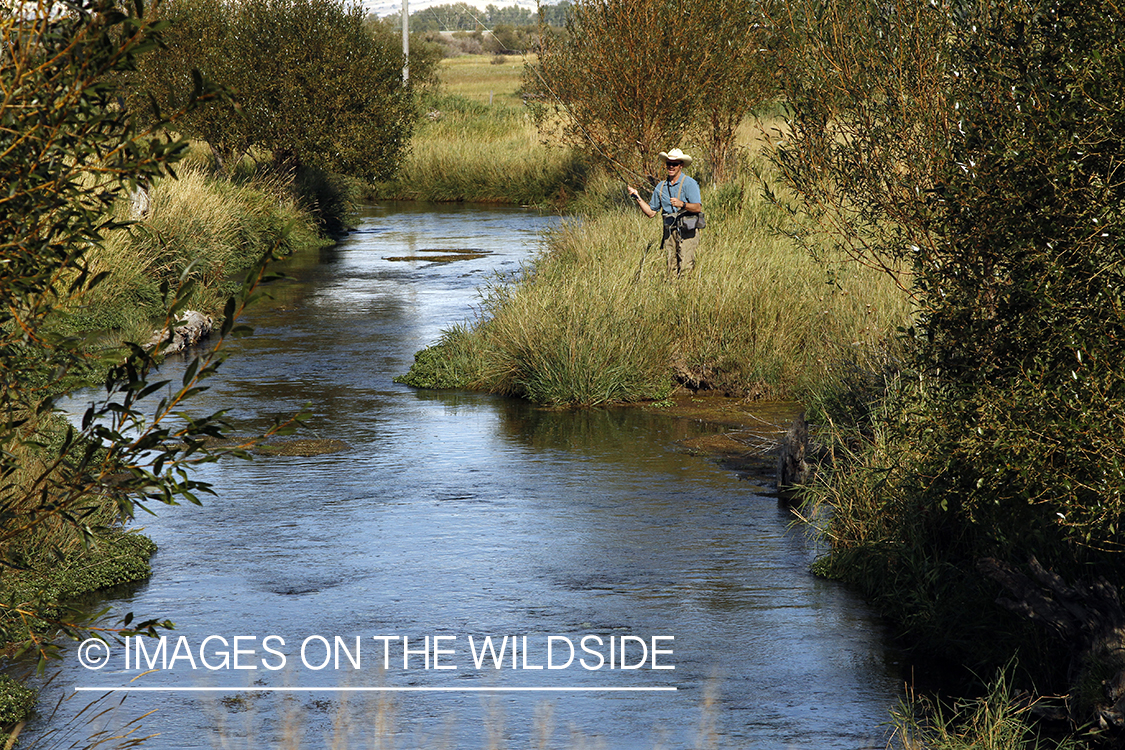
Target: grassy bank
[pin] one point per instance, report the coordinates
(596, 319)
(215, 225)
(204, 228)
(1000, 719)
(477, 143)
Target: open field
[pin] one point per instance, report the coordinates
(497, 154)
(478, 78)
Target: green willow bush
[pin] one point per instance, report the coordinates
(314, 84)
(977, 151)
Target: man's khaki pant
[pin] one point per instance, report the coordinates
(679, 247)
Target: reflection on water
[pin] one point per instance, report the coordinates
(460, 515)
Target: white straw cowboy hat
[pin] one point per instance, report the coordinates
(675, 155)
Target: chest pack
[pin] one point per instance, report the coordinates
(683, 219)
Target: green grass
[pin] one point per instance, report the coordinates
(595, 319)
(1001, 719)
(478, 78)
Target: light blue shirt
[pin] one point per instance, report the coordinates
(662, 196)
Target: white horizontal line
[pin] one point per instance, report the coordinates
(256, 689)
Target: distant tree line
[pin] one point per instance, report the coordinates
(465, 17)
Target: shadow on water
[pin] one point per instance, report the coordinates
(606, 431)
(460, 516)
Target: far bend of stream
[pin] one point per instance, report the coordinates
(459, 515)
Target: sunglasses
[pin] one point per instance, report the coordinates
(674, 163)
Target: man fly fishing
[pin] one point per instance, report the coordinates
(677, 198)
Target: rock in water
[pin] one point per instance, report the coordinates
(792, 467)
(190, 328)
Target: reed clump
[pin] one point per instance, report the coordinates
(200, 226)
(597, 319)
(1001, 719)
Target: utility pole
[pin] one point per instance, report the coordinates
(405, 41)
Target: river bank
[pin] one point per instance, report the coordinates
(202, 229)
(594, 318)
(747, 437)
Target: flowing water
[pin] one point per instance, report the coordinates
(453, 517)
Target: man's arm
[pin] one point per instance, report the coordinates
(641, 202)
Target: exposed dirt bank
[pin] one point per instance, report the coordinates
(747, 436)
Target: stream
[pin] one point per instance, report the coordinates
(683, 597)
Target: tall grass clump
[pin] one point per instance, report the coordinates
(596, 319)
(200, 226)
(1001, 719)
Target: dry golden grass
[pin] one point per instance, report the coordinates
(476, 77)
(478, 143)
(215, 226)
(374, 721)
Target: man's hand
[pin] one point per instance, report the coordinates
(645, 208)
